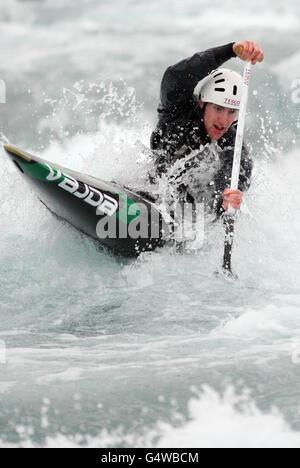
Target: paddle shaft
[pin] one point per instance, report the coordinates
(236, 166)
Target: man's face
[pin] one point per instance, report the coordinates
(217, 119)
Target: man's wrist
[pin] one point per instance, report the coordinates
(224, 53)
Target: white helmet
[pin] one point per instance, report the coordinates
(222, 87)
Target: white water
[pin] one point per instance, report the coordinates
(104, 352)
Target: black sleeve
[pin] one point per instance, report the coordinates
(180, 80)
(246, 170)
(223, 178)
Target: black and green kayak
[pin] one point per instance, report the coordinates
(111, 214)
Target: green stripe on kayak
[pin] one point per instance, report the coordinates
(41, 171)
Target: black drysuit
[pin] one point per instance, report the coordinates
(181, 131)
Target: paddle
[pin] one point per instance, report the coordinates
(230, 214)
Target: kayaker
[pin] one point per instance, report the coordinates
(198, 131)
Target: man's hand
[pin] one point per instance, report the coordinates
(234, 197)
(250, 51)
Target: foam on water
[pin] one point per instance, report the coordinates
(214, 421)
